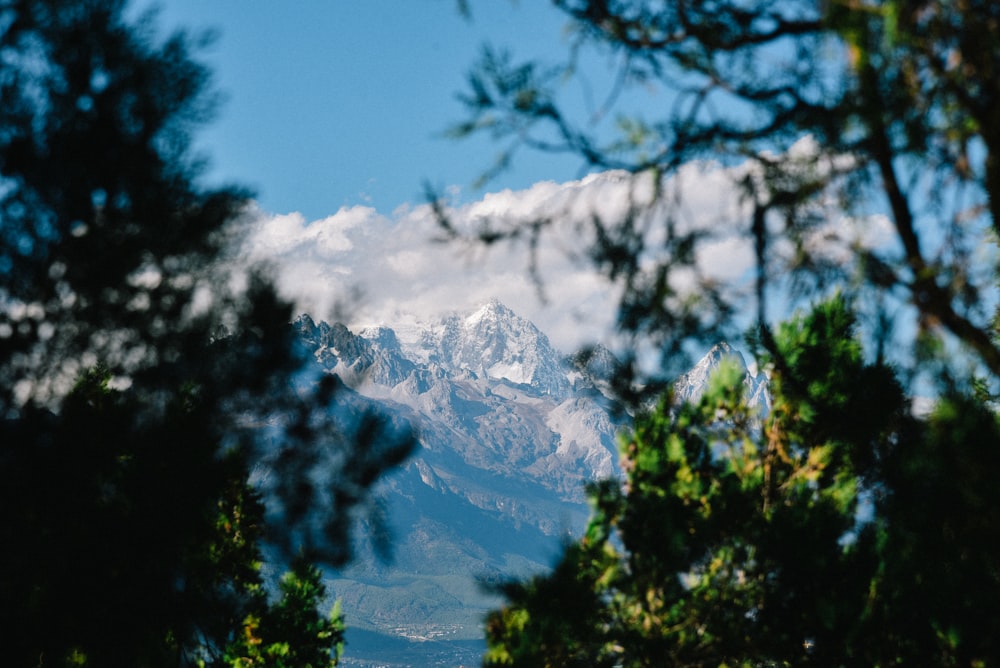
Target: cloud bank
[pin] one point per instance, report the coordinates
(363, 267)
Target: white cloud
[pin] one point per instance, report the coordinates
(395, 269)
(395, 266)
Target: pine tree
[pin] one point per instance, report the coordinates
(290, 632)
(835, 531)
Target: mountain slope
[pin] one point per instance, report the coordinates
(509, 433)
(508, 436)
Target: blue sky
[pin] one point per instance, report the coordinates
(335, 102)
(334, 113)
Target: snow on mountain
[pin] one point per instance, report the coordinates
(692, 385)
(492, 342)
(509, 432)
(373, 357)
(493, 379)
(490, 397)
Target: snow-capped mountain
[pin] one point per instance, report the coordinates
(510, 402)
(509, 432)
(691, 385)
(495, 343)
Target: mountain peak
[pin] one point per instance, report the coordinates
(719, 353)
(497, 343)
(492, 310)
(381, 335)
(506, 441)
(692, 385)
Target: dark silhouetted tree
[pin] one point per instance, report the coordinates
(145, 373)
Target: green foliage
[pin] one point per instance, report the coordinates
(290, 633)
(814, 536)
(943, 523)
(841, 529)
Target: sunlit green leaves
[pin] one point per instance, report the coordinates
(728, 546)
(290, 632)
